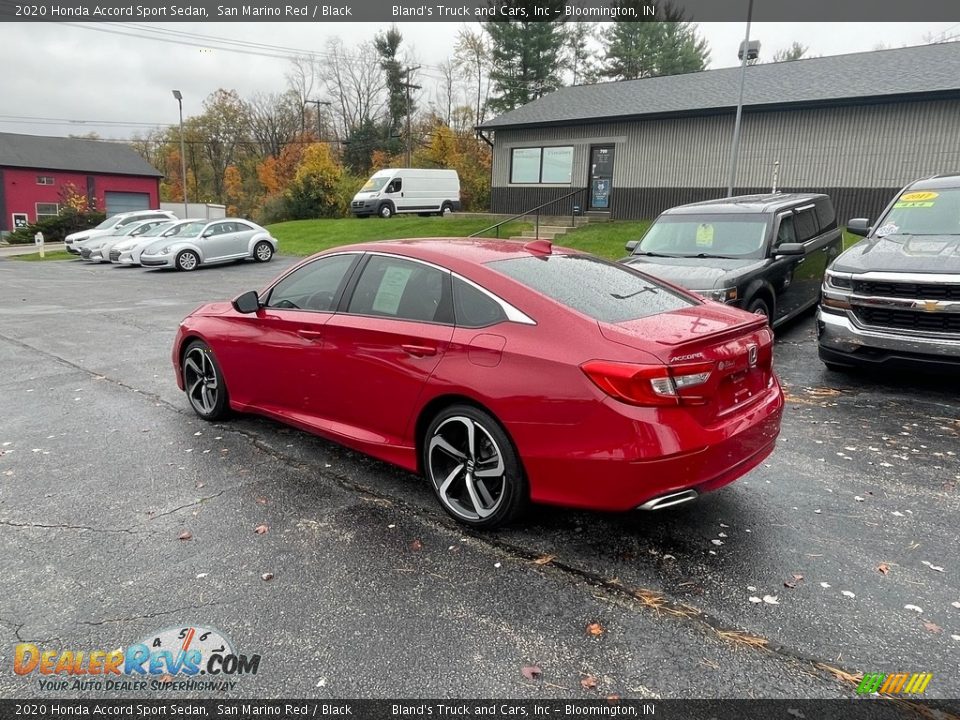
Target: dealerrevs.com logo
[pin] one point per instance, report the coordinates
(178, 658)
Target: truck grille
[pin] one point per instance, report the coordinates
(918, 291)
(85, 253)
(909, 319)
(357, 203)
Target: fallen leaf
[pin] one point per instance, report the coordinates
(496, 564)
(262, 500)
(669, 557)
(722, 535)
(897, 513)
(847, 593)
(751, 588)
(544, 559)
(201, 576)
(614, 698)
(956, 605)
(955, 637)
(933, 627)
(165, 679)
(261, 529)
(532, 672)
(824, 585)
(858, 498)
(717, 542)
(913, 607)
(416, 545)
(588, 682)
(595, 629)
(771, 600)
(883, 568)
(754, 599)
(185, 535)
(267, 576)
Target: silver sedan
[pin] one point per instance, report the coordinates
(207, 242)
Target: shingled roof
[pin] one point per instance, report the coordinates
(838, 79)
(72, 154)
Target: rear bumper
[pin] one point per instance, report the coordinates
(708, 459)
(844, 343)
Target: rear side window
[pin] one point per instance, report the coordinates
(402, 289)
(475, 309)
(806, 224)
(602, 290)
(826, 215)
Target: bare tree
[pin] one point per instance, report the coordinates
(275, 120)
(355, 85)
(472, 55)
(446, 91)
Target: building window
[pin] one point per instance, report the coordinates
(546, 165)
(47, 210)
(44, 180)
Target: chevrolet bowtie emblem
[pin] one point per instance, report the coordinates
(932, 305)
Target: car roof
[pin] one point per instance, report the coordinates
(765, 203)
(946, 180)
(453, 252)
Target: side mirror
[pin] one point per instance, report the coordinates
(789, 249)
(631, 246)
(247, 303)
(859, 226)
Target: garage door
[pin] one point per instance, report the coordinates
(121, 202)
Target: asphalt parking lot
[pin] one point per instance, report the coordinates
(847, 536)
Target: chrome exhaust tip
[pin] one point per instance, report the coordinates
(665, 501)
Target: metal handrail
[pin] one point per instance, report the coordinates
(536, 210)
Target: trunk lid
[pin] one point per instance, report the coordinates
(737, 345)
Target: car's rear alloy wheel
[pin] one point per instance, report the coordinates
(203, 382)
(263, 251)
(187, 260)
(473, 468)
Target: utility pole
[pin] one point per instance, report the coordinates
(178, 96)
(735, 145)
(318, 103)
(409, 86)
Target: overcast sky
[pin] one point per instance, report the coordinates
(72, 72)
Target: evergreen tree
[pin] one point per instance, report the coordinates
(669, 46)
(526, 56)
(388, 45)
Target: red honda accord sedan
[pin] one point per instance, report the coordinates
(504, 372)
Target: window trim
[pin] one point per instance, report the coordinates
(540, 180)
(41, 180)
(37, 214)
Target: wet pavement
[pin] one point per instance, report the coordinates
(838, 556)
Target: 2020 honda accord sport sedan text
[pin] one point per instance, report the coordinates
(505, 373)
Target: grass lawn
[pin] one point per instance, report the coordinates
(55, 255)
(305, 237)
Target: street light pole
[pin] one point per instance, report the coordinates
(735, 145)
(183, 155)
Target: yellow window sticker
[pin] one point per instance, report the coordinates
(918, 196)
(705, 235)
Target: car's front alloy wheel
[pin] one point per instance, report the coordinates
(473, 468)
(187, 261)
(203, 382)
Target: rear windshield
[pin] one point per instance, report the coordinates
(605, 291)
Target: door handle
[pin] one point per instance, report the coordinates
(419, 350)
(313, 335)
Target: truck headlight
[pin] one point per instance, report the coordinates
(839, 280)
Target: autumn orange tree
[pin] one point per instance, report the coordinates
(313, 192)
(460, 151)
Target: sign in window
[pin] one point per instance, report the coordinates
(546, 165)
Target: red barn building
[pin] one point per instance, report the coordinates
(35, 172)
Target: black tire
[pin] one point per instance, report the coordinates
(446, 209)
(187, 260)
(449, 464)
(759, 306)
(203, 382)
(263, 252)
(386, 210)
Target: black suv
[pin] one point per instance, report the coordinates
(893, 299)
(766, 254)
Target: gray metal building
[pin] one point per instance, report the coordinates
(856, 126)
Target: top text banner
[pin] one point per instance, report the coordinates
(387, 11)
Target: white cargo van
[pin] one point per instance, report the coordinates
(405, 190)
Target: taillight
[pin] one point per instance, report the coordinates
(651, 384)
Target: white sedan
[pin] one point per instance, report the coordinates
(207, 242)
